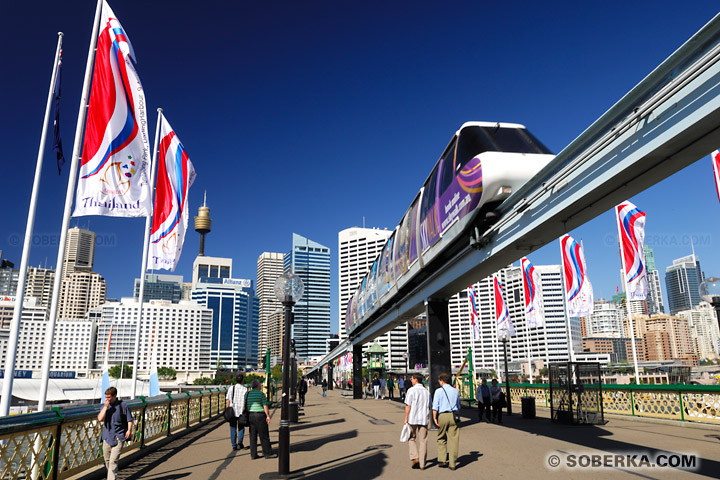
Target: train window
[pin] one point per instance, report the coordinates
(447, 173)
(428, 201)
(430, 231)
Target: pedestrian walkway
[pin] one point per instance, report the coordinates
(341, 438)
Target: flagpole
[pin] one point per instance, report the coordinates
(627, 300)
(69, 195)
(11, 357)
(146, 247)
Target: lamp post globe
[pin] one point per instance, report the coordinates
(289, 289)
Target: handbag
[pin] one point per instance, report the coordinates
(456, 414)
(405, 433)
(229, 413)
(244, 419)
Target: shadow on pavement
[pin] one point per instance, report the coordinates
(599, 438)
(304, 425)
(316, 443)
(369, 466)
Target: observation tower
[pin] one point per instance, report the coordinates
(203, 223)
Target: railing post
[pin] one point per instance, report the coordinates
(56, 446)
(682, 407)
(632, 402)
(144, 420)
(187, 424)
(169, 414)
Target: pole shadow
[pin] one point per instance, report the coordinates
(314, 444)
(304, 425)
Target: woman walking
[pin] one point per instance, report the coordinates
(259, 421)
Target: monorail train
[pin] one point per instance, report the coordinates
(481, 166)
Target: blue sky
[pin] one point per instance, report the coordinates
(309, 116)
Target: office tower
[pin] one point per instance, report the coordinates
(682, 281)
(619, 348)
(186, 289)
(311, 262)
(79, 251)
(703, 330)
(605, 321)
(32, 310)
(9, 281)
(235, 311)
(79, 292)
(211, 267)
(654, 298)
(665, 337)
(269, 268)
(39, 284)
(183, 332)
(548, 343)
(160, 287)
(357, 249)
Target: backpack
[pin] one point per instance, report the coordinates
(123, 414)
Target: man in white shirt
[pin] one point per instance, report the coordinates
(417, 415)
(236, 397)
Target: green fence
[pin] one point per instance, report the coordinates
(60, 443)
(689, 403)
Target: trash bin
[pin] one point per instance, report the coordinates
(293, 412)
(528, 407)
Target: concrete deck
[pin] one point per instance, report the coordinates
(347, 439)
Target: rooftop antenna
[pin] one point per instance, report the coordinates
(363, 221)
(692, 244)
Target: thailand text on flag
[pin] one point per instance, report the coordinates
(502, 315)
(115, 162)
(716, 170)
(170, 214)
(631, 226)
(578, 289)
(531, 287)
(474, 317)
(57, 142)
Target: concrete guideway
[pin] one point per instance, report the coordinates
(338, 437)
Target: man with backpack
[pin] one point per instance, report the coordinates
(117, 423)
(235, 397)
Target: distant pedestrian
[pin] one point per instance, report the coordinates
(391, 388)
(417, 415)
(497, 400)
(484, 399)
(117, 422)
(445, 401)
(235, 397)
(259, 421)
(302, 388)
(376, 387)
(401, 388)
(382, 387)
(324, 387)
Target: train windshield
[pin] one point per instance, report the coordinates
(475, 140)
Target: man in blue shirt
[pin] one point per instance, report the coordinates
(445, 401)
(117, 423)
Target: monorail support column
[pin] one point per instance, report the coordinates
(330, 375)
(438, 339)
(357, 372)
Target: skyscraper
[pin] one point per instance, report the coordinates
(39, 284)
(357, 249)
(654, 298)
(311, 262)
(211, 267)
(79, 251)
(79, 292)
(269, 268)
(682, 281)
(160, 287)
(234, 320)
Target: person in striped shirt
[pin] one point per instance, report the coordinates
(258, 406)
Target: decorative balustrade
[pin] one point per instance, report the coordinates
(61, 443)
(690, 403)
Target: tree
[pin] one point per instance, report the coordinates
(114, 372)
(276, 372)
(168, 373)
(543, 372)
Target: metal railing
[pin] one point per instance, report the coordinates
(688, 403)
(60, 443)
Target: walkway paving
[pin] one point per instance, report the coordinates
(341, 438)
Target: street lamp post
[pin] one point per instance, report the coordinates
(288, 290)
(504, 339)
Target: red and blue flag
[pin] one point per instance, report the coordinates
(578, 289)
(531, 289)
(170, 215)
(474, 316)
(631, 226)
(502, 315)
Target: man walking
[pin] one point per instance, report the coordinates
(302, 388)
(445, 402)
(484, 400)
(401, 388)
(324, 387)
(417, 415)
(117, 421)
(236, 397)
